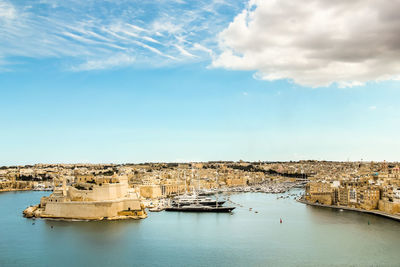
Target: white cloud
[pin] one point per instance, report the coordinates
(150, 39)
(137, 28)
(7, 11)
(117, 60)
(199, 47)
(183, 51)
(316, 42)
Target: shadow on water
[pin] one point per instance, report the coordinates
(91, 233)
(92, 226)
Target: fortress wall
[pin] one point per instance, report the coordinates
(131, 204)
(111, 191)
(88, 210)
(99, 193)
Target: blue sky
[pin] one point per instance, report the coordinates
(123, 81)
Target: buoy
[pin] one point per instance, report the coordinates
(280, 220)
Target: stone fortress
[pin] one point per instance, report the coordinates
(93, 198)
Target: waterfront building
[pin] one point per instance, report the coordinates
(353, 199)
(396, 195)
(343, 198)
(319, 192)
(373, 188)
(173, 189)
(242, 181)
(150, 191)
(369, 198)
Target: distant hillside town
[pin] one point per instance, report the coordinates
(369, 186)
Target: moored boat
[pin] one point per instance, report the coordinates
(200, 208)
(186, 200)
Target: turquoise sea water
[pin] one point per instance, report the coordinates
(308, 236)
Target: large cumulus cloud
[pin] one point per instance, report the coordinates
(315, 42)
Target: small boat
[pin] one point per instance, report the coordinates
(150, 206)
(156, 209)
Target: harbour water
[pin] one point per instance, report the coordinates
(309, 236)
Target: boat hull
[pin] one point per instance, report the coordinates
(200, 209)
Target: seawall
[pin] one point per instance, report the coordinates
(374, 212)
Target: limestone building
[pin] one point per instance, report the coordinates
(94, 198)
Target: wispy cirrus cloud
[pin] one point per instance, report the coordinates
(87, 34)
(119, 60)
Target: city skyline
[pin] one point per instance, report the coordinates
(172, 81)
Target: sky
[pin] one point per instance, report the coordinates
(176, 81)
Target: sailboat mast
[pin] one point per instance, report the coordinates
(178, 191)
(184, 177)
(216, 196)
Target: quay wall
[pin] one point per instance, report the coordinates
(374, 212)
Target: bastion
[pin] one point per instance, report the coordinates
(100, 198)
